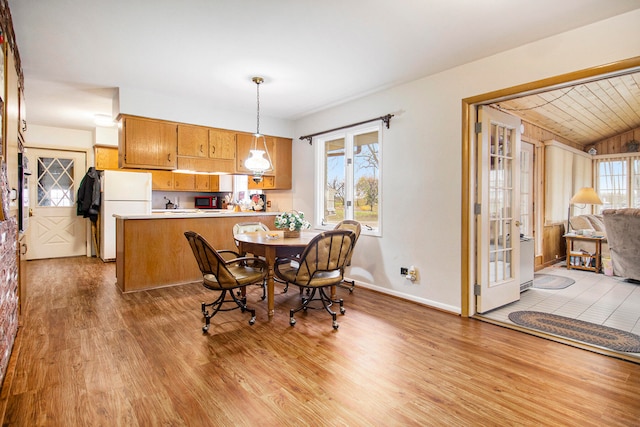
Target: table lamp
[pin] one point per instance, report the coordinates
(584, 196)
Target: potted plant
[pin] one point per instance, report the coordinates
(291, 223)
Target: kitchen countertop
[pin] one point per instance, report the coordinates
(193, 213)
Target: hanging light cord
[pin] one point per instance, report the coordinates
(258, 80)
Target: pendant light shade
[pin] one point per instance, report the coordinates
(257, 162)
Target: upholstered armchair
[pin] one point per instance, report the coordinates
(623, 233)
(225, 276)
(250, 227)
(320, 266)
(349, 224)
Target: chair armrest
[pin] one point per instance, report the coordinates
(227, 254)
(283, 261)
(256, 262)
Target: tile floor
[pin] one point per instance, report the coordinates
(595, 298)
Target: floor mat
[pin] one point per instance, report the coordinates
(551, 281)
(578, 330)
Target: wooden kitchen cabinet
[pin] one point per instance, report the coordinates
(184, 182)
(203, 182)
(171, 181)
(147, 143)
(193, 141)
(218, 156)
(214, 183)
(161, 180)
(205, 165)
(222, 144)
(283, 160)
(280, 152)
(268, 183)
(244, 144)
(106, 158)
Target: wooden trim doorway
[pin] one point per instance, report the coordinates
(468, 160)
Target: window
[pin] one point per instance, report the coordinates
(618, 182)
(348, 177)
(55, 182)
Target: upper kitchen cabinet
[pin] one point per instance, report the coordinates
(193, 141)
(283, 159)
(148, 144)
(244, 144)
(279, 151)
(222, 144)
(202, 149)
(105, 157)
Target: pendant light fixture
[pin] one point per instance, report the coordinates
(257, 163)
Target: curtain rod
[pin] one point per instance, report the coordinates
(386, 119)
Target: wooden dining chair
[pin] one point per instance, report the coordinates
(320, 266)
(225, 276)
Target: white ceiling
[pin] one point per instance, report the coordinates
(312, 54)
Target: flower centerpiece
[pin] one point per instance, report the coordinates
(292, 223)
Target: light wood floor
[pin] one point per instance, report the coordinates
(90, 356)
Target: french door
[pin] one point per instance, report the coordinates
(498, 210)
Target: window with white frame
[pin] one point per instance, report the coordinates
(618, 182)
(348, 177)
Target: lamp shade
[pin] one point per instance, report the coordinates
(587, 196)
(256, 162)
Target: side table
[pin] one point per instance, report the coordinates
(583, 260)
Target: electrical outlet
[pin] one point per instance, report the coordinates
(404, 271)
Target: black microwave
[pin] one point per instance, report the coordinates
(207, 202)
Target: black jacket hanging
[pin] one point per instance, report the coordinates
(89, 195)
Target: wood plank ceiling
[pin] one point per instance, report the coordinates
(585, 113)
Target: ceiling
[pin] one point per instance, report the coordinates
(584, 113)
(313, 55)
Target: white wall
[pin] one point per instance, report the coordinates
(422, 155)
(61, 138)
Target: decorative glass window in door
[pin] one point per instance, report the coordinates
(500, 189)
(55, 182)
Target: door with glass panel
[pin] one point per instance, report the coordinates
(55, 230)
(498, 210)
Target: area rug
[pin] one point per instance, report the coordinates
(551, 281)
(578, 330)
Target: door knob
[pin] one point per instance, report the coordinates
(518, 223)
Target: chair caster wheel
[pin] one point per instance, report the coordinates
(335, 325)
(342, 310)
(205, 328)
(292, 322)
(252, 320)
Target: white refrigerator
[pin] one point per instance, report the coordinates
(123, 193)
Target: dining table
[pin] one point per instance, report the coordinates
(272, 245)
